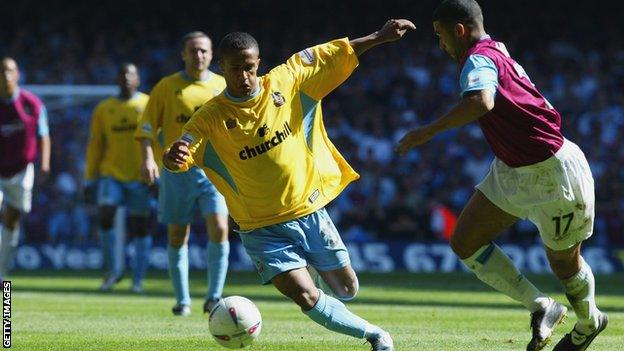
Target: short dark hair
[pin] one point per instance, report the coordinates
(467, 12)
(192, 35)
(237, 41)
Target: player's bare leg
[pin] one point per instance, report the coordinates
(578, 281)
(343, 282)
(138, 230)
(481, 222)
(177, 252)
(9, 237)
(106, 214)
(328, 311)
(217, 253)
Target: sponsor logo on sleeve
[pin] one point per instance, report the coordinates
(146, 127)
(473, 79)
(314, 196)
(307, 56)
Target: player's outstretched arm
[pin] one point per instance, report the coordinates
(392, 30)
(472, 106)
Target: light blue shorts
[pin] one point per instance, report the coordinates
(311, 239)
(135, 195)
(178, 193)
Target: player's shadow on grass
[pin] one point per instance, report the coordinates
(271, 296)
(392, 289)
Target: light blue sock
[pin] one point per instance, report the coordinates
(142, 251)
(108, 250)
(334, 315)
(178, 272)
(217, 259)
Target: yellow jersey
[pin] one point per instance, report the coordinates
(270, 155)
(112, 150)
(172, 102)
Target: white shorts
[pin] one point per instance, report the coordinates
(557, 195)
(17, 190)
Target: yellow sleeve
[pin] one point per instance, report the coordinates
(95, 145)
(151, 119)
(194, 133)
(320, 69)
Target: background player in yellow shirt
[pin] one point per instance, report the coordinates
(172, 102)
(114, 161)
(263, 144)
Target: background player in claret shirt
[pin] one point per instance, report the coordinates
(537, 174)
(113, 165)
(172, 102)
(263, 143)
(23, 119)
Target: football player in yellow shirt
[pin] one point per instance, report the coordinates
(263, 144)
(172, 102)
(114, 162)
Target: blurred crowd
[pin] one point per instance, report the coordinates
(572, 52)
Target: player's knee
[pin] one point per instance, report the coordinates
(306, 299)
(177, 239)
(106, 216)
(137, 226)
(106, 222)
(221, 227)
(11, 217)
(460, 246)
(218, 230)
(564, 267)
(348, 292)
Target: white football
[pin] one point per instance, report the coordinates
(235, 322)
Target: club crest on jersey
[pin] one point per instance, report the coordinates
(262, 131)
(230, 123)
(307, 56)
(278, 98)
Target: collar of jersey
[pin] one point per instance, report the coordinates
(246, 98)
(134, 95)
(13, 97)
(185, 76)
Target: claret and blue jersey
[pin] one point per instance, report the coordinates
(523, 128)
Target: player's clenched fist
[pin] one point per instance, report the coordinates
(395, 29)
(176, 156)
(414, 138)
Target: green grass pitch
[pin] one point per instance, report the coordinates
(63, 311)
